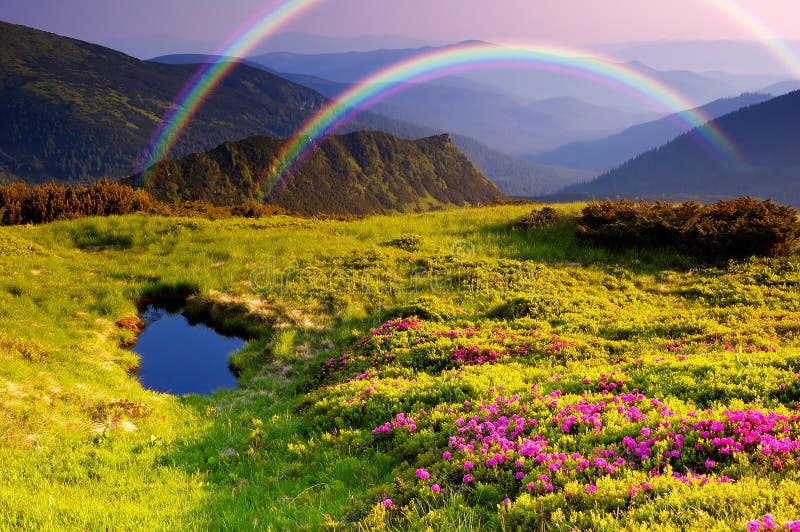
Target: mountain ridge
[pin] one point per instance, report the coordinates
(766, 134)
(603, 154)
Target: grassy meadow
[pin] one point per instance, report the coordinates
(439, 371)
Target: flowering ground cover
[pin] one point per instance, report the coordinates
(524, 427)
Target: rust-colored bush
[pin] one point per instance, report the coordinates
(21, 204)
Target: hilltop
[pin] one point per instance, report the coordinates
(357, 173)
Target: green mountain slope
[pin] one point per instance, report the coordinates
(357, 173)
(76, 111)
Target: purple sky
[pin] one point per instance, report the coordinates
(565, 22)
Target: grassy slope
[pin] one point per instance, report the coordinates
(69, 462)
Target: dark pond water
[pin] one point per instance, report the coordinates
(177, 357)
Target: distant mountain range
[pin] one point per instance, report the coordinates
(734, 56)
(603, 154)
(493, 118)
(525, 85)
(518, 177)
(147, 46)
(357, 173)
(767, 136)
(486, 115)
(784, 87)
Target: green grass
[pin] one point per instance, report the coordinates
(85, 447)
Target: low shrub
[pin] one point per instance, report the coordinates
(543, 217)
(732, 229)
(408, 242)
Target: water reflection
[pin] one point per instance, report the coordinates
(177, 357)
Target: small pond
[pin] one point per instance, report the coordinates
(178, 357)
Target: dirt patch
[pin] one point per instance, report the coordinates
(247, 316)
(134, 324)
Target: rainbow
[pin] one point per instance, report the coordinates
(470, 56)
(200, 85)
(758, 28)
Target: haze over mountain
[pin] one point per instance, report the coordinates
(784, 87)
(603, 154)
(766, 134)
(483, 114)
(357, 173)
(732, 56)
(491, 117)
(147, 46)
(525, 85)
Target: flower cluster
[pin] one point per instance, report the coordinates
(620, 432)
(424, 346)
(767, 522)
(583, 437)
(474, 355)
(400, 421)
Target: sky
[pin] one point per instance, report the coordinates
(560, 22)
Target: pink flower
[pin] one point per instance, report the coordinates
(467, 465)
(446, 455)
(767, 522)
(387, 503)
(435, 488)
(467, 478)
(591, 488)
(422, 474)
